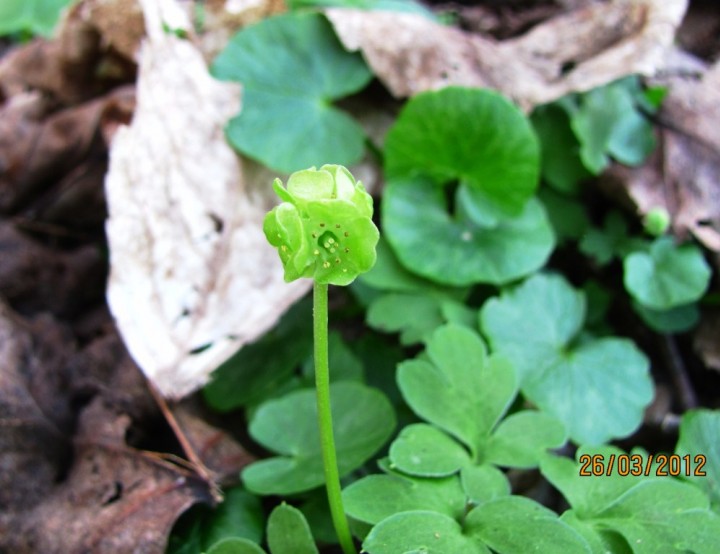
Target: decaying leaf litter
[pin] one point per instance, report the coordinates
(105, 118)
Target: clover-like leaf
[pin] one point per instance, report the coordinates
(323, 228)
(607, 123)
(458, 389)
(426, 451)
(376, 497)
(288, 532)
(699, 432)
(508, 525)
(363, 418)
(511, 523)
(465, 395)
(292, 67)
(667, 275)
(651, 514)
(420, 531)
(537, 325)
(456, 249)
(475, 136)
(522, 438)
(483, 483)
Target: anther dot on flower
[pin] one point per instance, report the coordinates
(314, 201)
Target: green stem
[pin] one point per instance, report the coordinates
(327, 441)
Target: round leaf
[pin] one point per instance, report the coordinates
(426, 451)
(667, 276)
(292, 67)
(363, 420)
(475, 136)
(415, 532)
(456, 251)
(377, 497)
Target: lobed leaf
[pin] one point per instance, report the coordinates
(536, 325)
(667, 276)
(292, 68)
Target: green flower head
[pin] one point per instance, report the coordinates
(323, 228)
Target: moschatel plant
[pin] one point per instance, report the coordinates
(323, 229)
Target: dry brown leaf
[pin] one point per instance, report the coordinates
(222, 18)
(81, 62)
(70, 484)
(578, 51)
(36, 279)
(683, 175)
(114, 498)
(192, 276)
(53, 153)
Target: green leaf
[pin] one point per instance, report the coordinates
(653, 514)
(429, 241)
(562, 167)
(406, 6)
(388, 274)
(235, 546)
(675, 320)
(606, 122)
(588, 496)
(292, 67)
(376, 497)
(472, 135)
(425, 451)
(515, 524)
(344, 364)
(458, 389)
(484, 483)
(509, 525)
(667, 276)
(421, 532)
(31, 16)
(537, 325)
(663, 515)
(258, 369)
(699, 432)
(288, 532)
(240, 515)
(521, 439)
(415, 316)
(606, 243)
(363, 420)
(567, 216)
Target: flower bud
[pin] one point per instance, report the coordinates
(323, 229)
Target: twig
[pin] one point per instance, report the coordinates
(197, 464)
(678, 372)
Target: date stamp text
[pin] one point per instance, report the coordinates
(660, 465)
